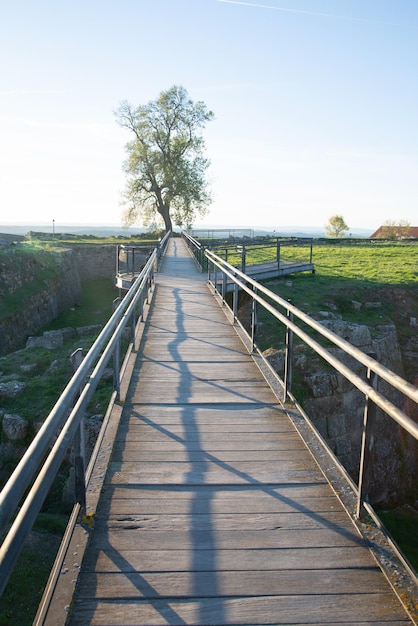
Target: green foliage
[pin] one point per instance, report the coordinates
(26, 585)
(402, 525)
(95, 306)
(336, 226)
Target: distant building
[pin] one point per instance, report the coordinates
(395, 232)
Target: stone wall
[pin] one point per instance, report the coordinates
(94, 261)
(54, 295)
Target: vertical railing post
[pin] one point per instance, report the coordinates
(288, 358)
(235, 302)
(116, 356)
(133, 326)
(278, 253)
(243, 259)
(369, 424)
(133, 264)
(254, 321)
(79, 447)
(224, 280)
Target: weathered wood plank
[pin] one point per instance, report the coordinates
(206, 463)
(166, 413)
(215, 477)
(121, 501)
(131, 533)
(296, 519)
(152, 453)
(201, 392)
(201, 584)
(358, 610)
(113, 559)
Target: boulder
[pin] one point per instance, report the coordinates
(15, 427)
(11, 388)
(356, 334)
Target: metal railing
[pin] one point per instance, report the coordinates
(197, 250)
(26, 490)
(220, 272)
(273, 251)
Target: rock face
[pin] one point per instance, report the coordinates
(336, 408)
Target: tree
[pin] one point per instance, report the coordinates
(336, 226)
(395, 230)
(166, 165)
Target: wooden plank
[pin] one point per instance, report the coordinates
(199, 369)
(258, 431)
(113, 559)
(376, 609)
(215, 413)
(120, 502)
(196, 391)
(368, 608)
(206, 466)
(215, 477)
(132, 532)
(152, 453)
(335, 521)
(212, 444)
(197, 584)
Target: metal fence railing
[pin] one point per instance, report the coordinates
(296, 322)
(274, 251)
(27, 488)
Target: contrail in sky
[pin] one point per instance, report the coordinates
(268, 6)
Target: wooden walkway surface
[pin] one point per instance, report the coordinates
(213, 510)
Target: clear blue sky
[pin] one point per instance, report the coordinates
(315, 102)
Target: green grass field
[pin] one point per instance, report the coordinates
(385, 273)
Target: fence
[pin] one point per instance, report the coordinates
(271, 251)
(295, 321)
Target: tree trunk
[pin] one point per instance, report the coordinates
(164, 211)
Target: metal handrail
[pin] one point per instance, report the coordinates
(368, 388)
(33, 473)
(196, 248)
(244, 250)
(191, 241)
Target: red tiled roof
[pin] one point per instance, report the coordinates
(412, 232)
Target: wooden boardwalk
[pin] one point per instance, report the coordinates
(213, 509)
